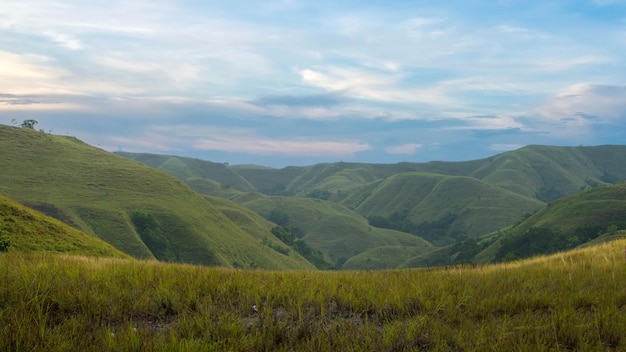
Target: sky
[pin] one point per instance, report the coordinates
(288, 82)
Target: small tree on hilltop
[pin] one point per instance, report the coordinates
(30, 123)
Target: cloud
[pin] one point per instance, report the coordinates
(16, 68)
(488, 123)
(64, 40)
(408, 149)
(292, 147)
(314, 77)
(312, 100)
(580, 101)
(369, 84)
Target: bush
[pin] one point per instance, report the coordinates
(4, 245)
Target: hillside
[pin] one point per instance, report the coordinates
(337, 232)
(27, 230)
(138, 209)
(471, 198)
(547, 172)
(568, 222)
(443, 209)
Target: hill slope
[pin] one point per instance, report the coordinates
(30, 231)
(568, 222)
(486, 194)
(139, 210)
(444, 209)
(336, 231)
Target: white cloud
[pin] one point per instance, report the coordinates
(491, 123)
(586, 103)
(16, 68)
(64, 40)
(408, 149)
(375, 85)
(293, 147)
(204, 137)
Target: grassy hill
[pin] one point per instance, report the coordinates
(444, 209)
(138, 209)
(568, 222)
(27, 230)
(334, 230)
(259, 229)
(547, 172)
(571, 301)
(468, 198)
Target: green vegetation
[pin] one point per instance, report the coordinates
(536, 241)
(332, 230)
(568, 301)
(106, 196)
(25, 230)
(445, 203)
(567, 223)
(288, 236)
(4, 244)
(30, 123)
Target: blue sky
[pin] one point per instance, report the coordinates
(300, 82)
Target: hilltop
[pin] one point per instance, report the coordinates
(536, 171)
(141, 211)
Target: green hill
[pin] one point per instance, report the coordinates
(468, 198)
(138, 209)
(337, 232)
(189, 168)
(27, 230)
(542, 172)
(547, 173)
(567, 223)
(444, 209)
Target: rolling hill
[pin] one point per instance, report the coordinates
(443, 202)
(138, 209)
(444, 209)
(337, 232)
(450, 204)
(541, 172)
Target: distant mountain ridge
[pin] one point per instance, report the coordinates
(440, 201)
(526, 171)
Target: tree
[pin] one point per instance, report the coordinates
(30, 123)
(279, 218)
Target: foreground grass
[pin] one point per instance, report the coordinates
(572, 301)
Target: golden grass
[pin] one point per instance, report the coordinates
(566, 301)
